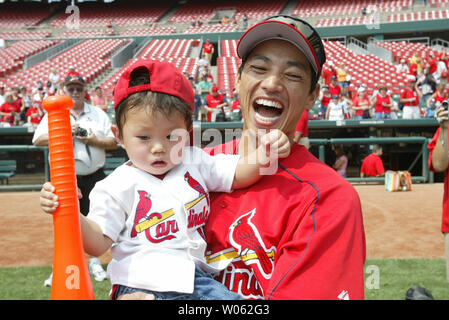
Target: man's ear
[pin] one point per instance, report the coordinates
(117, 135)
(312, 97)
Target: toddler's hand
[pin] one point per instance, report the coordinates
(275, 144)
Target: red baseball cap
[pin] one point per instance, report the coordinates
(214, 89)
(164, 78)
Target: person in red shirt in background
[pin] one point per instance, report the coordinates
(8, 111)
(214, 103)
(360, 104)
(328, 72)
(35, 113)
(410, 99)
(382, 104)
(432, 63)
(325, 98)
(438, 162)
(208, 50)
(302, 130)
(72, 72)
(334, 88)
(372, 165)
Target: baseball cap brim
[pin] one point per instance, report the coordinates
(74, 80)
(295, 31)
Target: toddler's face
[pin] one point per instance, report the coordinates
(154, 143)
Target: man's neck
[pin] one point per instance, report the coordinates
(77, 109)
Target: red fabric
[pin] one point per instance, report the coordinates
(303, 124)
(308, 225)
(372, 166)
(408, 93)
(445, 216)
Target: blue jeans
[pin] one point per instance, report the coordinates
(205, 288)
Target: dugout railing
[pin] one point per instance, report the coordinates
(426, 174)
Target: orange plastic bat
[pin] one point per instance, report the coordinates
(71, 279)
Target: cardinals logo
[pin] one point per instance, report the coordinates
(164, 228)
(197, 186)
(245, 237)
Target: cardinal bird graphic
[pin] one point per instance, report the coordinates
(196, 185)
(143, 207)
(244, 236)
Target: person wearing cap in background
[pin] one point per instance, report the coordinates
(334, 87)
(361, 104)
(335, 110)
(208, 50)
(165, 183)
(410, 97)
(296, 234)
(215, 103)
(92, 135)
(72, 72)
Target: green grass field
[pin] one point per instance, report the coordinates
(385, 279)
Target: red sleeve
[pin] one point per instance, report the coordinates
(331, 238)
(431, 147)
(302, 125)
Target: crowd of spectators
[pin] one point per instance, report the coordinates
(426, 89)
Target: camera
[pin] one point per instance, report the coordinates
(81, 132)
(444, 104)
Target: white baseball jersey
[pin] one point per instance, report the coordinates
(154, 222)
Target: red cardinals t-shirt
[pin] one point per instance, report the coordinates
(296, 234)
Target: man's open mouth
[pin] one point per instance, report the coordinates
(267, 111)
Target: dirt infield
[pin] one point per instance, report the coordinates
(397, 225)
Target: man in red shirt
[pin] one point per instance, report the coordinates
(208, 50)
(214, 103)
(372, 165)
(438, 162)
(303, 225)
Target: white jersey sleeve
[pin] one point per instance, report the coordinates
(217, 171)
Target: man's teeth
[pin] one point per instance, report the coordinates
(263, 119)
(269, 103)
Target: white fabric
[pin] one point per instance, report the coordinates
(162, 255)
(95, 119)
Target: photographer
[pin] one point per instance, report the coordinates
(92, 135)
(439, 162)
